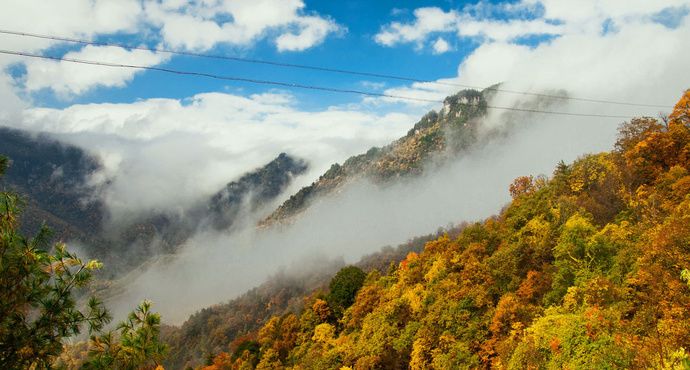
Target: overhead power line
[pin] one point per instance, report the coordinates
(287, 84)
(322, 69)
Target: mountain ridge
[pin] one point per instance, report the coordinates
(450, 131)
(54, 178)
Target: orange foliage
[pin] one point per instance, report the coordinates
(521, 186)
(321, 309)
(584, 274)
(221, 362)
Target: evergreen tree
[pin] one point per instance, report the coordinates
(38, 307)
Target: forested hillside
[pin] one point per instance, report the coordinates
(254, 189)
(209, 331)
(585, 269)
(436, 135)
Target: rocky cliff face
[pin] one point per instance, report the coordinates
(437, 135)
(254, 189)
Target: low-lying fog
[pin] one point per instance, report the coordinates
(214, 267)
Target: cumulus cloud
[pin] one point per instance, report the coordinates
(178, 24)
(68, 18)
(77, 19)
(510, 22)
(201, 25)
(441, 46)
(311, 31)
(608, 66)
(427, 20)
(192, 25)
(67, 78)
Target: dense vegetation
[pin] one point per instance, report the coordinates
(40, 287)
(438, 134)
(209, 331)
(587, 269)
(37, 285)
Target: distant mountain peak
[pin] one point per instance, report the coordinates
(451, 130)
(254, 189)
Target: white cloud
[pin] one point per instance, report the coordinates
(312, 30)
(441, 46)
(166, 154)
(201, 25)
(427, 21)
(67, 78)
(507, 22)
(611, 66)
(192, 25)
(66, 18)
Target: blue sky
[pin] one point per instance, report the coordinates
(161, 136)
(354, 41)
(352, 47)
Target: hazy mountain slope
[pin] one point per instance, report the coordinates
(254, 189)
(436, 135)
(54, 179)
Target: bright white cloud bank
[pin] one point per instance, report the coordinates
(166, 154)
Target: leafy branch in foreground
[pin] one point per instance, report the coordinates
(38, 308)
(138, 347)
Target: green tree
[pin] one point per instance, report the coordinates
(38, 307)
(344, 287)
(138, 347)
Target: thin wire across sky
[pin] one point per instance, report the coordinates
(289, 84)
(299, 85)
(317, 68)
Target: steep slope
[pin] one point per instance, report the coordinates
(254, 189)
(587, 269)
(435, 136)
(209, 331)
(54, 178)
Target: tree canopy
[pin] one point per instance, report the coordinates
(38, 285)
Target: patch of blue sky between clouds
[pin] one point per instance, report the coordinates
(671, 17)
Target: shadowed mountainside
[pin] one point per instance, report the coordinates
(55, 180)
